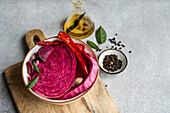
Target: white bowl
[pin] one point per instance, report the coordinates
(25, 74)
(120, 56)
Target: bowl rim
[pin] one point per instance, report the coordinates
(117, 51)
(67, 101)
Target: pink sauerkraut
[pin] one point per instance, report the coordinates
(57, 73)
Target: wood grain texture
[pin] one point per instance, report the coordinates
(97, 100)
(34, 34)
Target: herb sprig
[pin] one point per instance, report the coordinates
(93, 45)
(101, 37)
(35, 80)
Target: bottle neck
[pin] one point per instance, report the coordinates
(78, 8)
(78, 4)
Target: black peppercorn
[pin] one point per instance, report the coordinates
(112, 63)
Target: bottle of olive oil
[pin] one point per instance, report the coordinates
(79, 25)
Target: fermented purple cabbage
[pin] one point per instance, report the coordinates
(89, 80)
(58, 70)
(57, 73)
(30, 67)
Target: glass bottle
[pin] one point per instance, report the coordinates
(85, 27)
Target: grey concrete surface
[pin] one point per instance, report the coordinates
(142, 25)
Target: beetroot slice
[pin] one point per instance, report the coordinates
(44, 52)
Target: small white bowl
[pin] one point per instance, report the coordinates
(120, 56)
(25, 74)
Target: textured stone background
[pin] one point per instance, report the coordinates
(142, 25)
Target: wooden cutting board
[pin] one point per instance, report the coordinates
(97, 100)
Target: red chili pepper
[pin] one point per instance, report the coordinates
(81, 46)
(63, 36)
(45, 43)
(56, 42)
